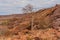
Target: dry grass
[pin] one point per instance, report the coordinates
(19, 27)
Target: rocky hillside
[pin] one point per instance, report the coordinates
(41, 25)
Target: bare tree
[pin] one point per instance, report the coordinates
(28, 8)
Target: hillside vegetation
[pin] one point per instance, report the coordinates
(41, 25)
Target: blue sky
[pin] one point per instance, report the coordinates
(14, 6)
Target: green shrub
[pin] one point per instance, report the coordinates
(5, 22)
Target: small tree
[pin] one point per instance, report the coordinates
(28, 8)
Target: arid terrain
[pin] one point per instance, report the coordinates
(41, 25)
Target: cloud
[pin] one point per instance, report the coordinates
(14, 6)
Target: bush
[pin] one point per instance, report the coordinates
(5, 22)
(4, 32)
(28, 38)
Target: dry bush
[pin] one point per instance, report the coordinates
(45, 23)
(37, 38)
(29, 38)
(4, 31)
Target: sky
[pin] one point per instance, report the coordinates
(8, 7)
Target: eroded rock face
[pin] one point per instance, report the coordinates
(56, 23)
(56, 18)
